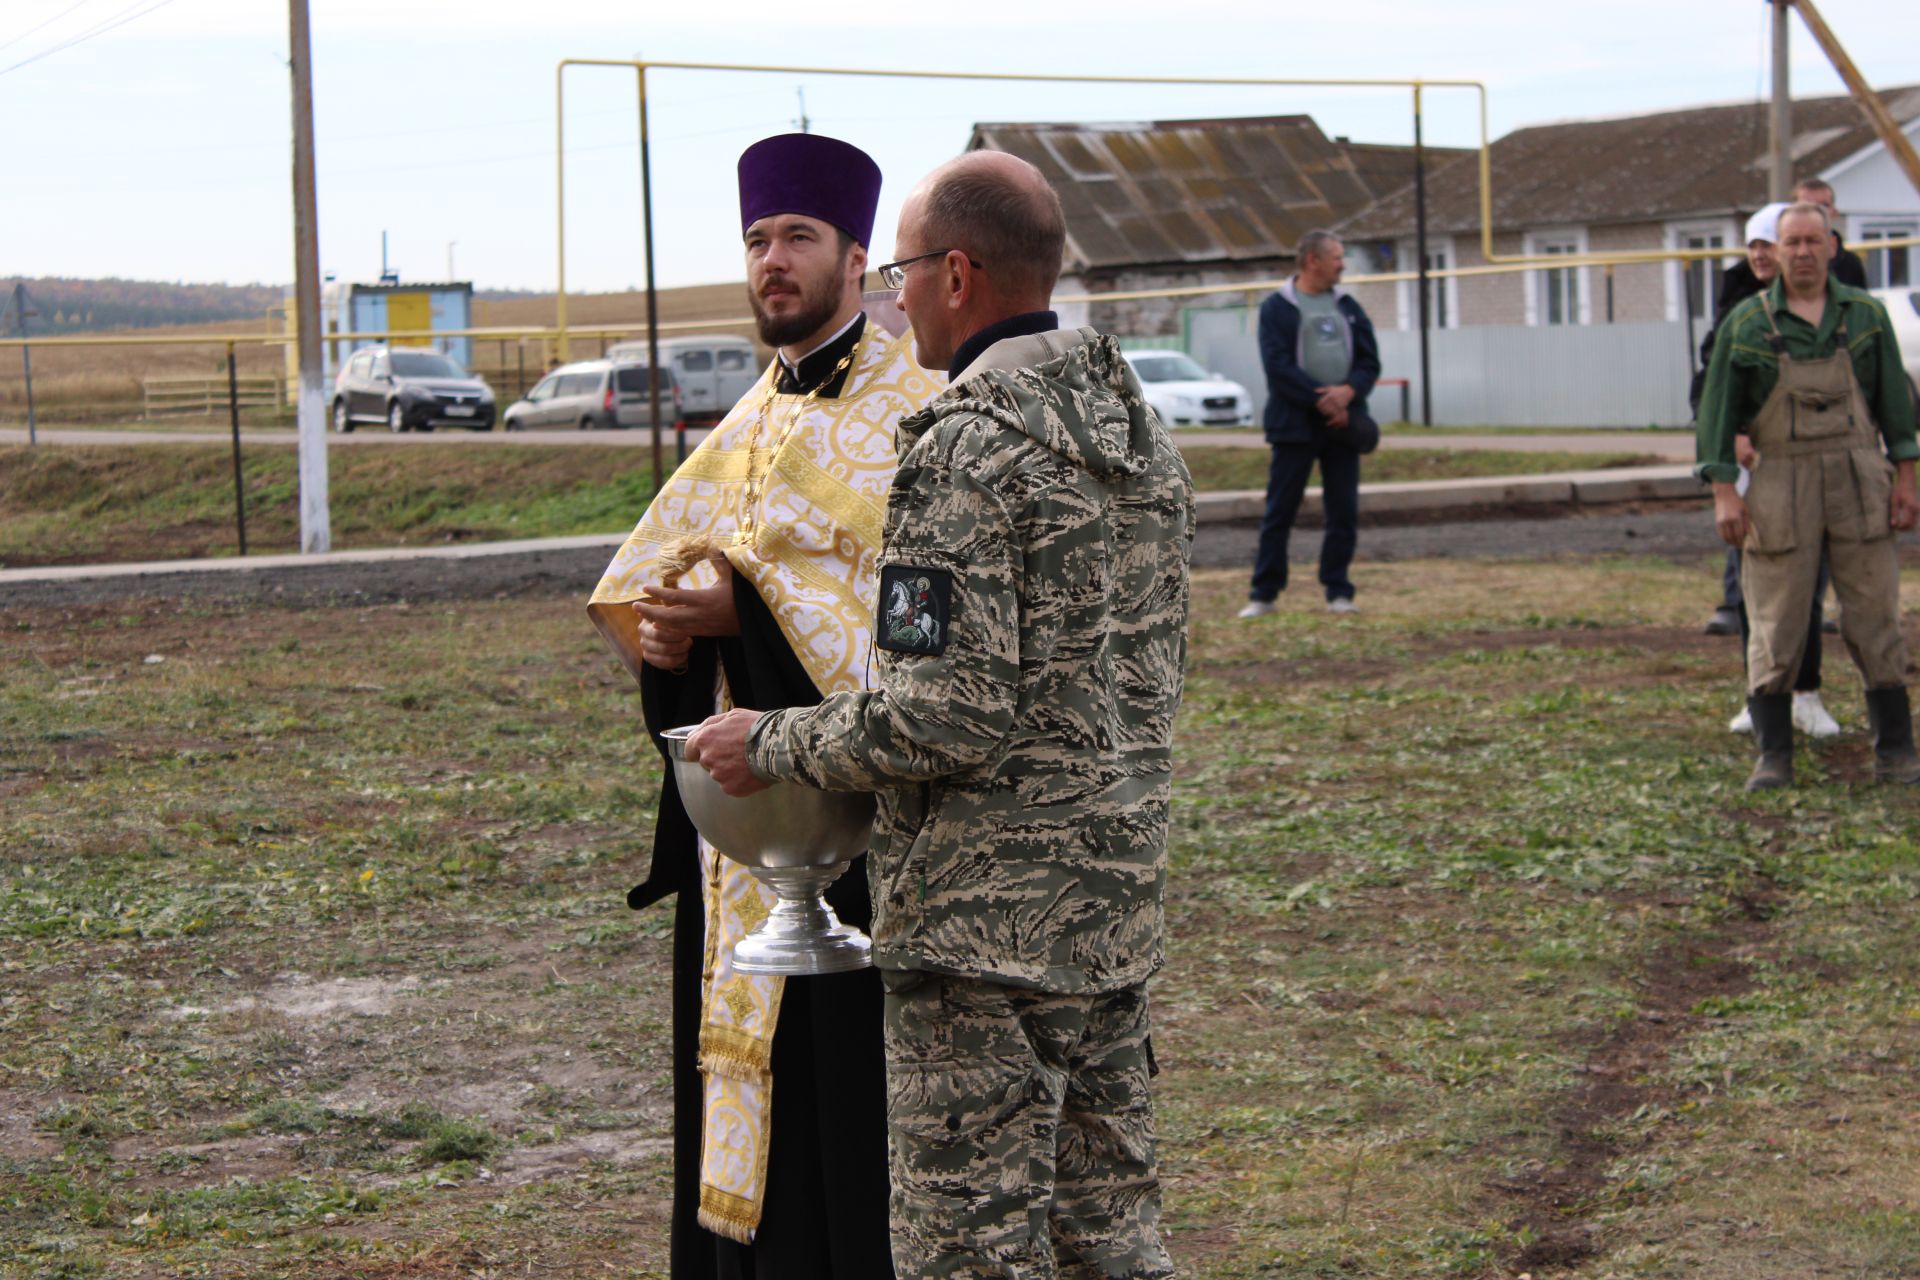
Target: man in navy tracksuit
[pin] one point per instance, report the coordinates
(1321, 360)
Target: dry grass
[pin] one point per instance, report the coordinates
(89, 383)
(1480, 962)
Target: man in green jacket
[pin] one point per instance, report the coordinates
(1810, 370)
(1032, 636)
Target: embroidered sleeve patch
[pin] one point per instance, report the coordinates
(916, 605)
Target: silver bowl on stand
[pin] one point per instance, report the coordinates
(796, 840)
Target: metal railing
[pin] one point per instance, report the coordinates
(204, 397)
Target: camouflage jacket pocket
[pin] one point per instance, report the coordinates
(899, 871)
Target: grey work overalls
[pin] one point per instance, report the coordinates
(1822, 473)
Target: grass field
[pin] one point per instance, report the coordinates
(316, 964)
(97, 383)
(76, 505)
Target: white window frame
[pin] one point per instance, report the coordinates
(1897, 228)
(1678, 233)
(1573, 242)
(1445, 291)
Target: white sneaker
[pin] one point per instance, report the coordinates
(1810, 716)
(1258, 609)
(1742, 723)
(1342, 605)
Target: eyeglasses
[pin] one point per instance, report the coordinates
(894, 274)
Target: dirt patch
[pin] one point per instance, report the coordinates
(259, 1158)
(618, 1148)
(1653, 641)
(17, 1137)
(1308, 671)
(295, 995)
(1555, 1201)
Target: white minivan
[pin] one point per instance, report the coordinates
(595, 394)
(713, 370)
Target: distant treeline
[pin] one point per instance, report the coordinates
(69, 306)
(86, 306)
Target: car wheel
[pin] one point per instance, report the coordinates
(510, 423)
(586, 424)
(341, 422)
(396, 418)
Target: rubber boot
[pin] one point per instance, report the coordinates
(1888, 712)
(1773, 731)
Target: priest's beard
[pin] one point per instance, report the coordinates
(819, 301)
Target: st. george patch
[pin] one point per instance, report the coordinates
(916, 605)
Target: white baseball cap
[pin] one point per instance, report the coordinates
(1765, 224)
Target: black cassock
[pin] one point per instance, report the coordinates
(824, 1215)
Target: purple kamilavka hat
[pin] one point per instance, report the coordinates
(809, 174)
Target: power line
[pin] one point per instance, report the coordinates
(77, 4)
(98, 29)
(256, 180)
(330, 139)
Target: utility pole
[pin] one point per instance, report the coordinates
(801, 91)
(316, 533)
(450, 245)
(1420, 253)
(1780, 179)
(22, 308)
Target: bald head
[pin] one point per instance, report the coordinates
(1000, 210)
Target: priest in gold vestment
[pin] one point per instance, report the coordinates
(752, 581)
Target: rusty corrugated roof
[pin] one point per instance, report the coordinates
(1200, 191)
(1674, 164)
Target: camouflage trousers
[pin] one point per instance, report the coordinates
(1020, 1130)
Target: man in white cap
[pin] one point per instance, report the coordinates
(780, 1147)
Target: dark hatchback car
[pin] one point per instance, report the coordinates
(409, 390)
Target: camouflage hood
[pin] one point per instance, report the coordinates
(1068, 390)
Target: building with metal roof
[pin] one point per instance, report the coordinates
(1173, 203)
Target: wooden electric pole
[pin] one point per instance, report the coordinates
(22, 309)
(1780, 179)
(310, 406)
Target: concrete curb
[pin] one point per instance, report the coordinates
(1621, 484)
(261, 564)
(1629, 484)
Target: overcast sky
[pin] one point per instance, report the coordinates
(158, 147)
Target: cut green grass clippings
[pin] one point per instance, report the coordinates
(314, 959)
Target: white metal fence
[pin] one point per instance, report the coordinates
(1611, 375)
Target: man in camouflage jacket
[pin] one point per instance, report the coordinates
(1032, 637)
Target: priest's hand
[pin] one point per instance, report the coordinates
(670, 618)
(693, 611)
(719, 746)
(662, 646)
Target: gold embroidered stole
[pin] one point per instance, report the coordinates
(813, 556)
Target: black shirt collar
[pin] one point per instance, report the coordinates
(814, 367)
(1000, 330)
